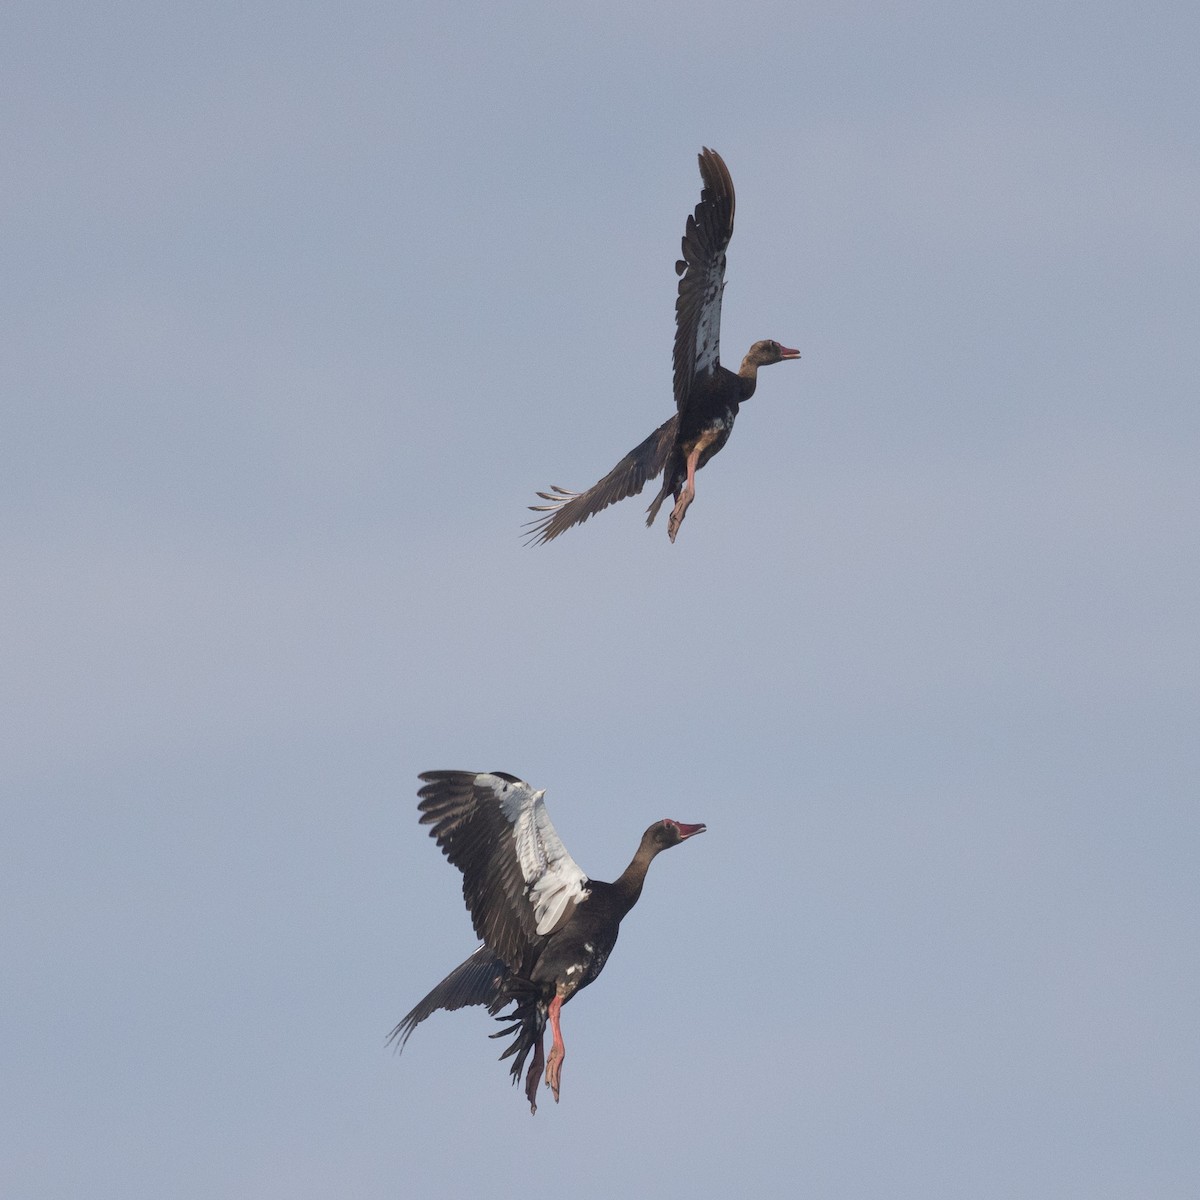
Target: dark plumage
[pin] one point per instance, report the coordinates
(707, 395)
(547, 928)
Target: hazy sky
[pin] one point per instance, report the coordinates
(305, 302)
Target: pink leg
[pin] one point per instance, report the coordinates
(557, 1051)
(686, 496)
(534, 1075)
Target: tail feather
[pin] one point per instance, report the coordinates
(527, 1022)
(656, 503)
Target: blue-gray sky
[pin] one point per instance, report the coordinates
(304, 303)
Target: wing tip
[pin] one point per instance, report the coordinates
(539, 531)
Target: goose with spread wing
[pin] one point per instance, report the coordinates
(547, 929)
(707, 395)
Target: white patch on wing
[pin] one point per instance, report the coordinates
(553, 878)
(708, 320)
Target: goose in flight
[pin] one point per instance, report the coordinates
(547, 929)
(707, 395)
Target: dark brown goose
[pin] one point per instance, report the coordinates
(547, 929)
(707, 395)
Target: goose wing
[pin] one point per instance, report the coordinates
(479, 980)
(564, 509)
(519, 882)
(702, 278)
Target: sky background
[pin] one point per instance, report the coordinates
(304, 302)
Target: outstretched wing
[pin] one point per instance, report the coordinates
(479, 980)
(702, 271)
(519, 882)
(627, 478)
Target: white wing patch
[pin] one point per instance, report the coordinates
(708, 319)
(552, 877)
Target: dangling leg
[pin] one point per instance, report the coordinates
(534, 1076)
(557, 1051)
(687, 495)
